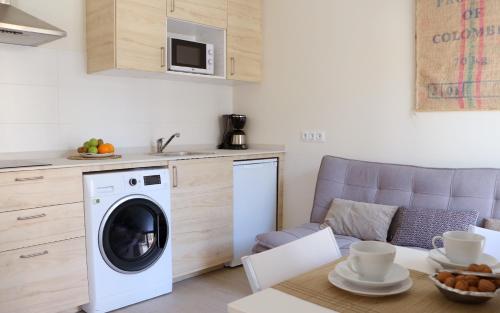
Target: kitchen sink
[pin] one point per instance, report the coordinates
(182, 153)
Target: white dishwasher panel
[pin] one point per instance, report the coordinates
(255, 203)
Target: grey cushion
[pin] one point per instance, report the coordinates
(417, 227)
(274, 239)
(366, 221)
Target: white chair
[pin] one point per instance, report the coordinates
(492, 245)
(274, 266)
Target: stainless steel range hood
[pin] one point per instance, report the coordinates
(20, 28)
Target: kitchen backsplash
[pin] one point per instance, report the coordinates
(48, 102)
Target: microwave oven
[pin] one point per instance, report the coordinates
(190, 56)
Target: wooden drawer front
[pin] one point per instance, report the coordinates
(31, 227)
(201, 175)
(33, 189)
(53, 281)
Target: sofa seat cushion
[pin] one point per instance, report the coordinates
(277, 238)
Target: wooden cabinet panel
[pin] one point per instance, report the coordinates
(244, 40)
(100, 35)
(44, 279)
(206, 12)
(141, 28)
(32, 189)
(26, 228)
(202, 214)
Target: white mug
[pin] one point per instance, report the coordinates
(371, 260)
(461, 247)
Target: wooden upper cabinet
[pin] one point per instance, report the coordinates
(126, 34)
(205, 12)
(141, 34)
(244, 40)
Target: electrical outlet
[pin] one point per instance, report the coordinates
(304, 136)
(310, 136)
(307, 136)
(320, 136)
(317, 136)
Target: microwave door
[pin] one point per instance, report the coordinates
(188, 56)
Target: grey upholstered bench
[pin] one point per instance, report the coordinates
(390, 184)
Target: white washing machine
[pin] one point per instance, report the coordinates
(129, 249)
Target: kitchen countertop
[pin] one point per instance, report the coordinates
(132, 156)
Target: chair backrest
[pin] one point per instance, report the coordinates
(271, 267)
(492, 245)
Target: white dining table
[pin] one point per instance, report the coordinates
(273, 301)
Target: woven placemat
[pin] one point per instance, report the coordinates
(79, 157)
(423, 297)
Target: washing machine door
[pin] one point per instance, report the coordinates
(133, 234)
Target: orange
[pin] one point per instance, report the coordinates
(106, 148)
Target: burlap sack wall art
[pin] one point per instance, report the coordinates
(458, 55)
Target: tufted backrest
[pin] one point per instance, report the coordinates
(406, 186)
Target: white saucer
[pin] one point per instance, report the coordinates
(447, 263)
(397, 274)
(345, 285)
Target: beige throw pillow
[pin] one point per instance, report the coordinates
(366, 221)
(492, 224)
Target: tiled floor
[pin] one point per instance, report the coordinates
(209, 293)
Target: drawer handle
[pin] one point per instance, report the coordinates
(176, 182)
(25, 218)
(233, 66)
(33, 255)
(29, 178)
(172, 6)
(162, 51)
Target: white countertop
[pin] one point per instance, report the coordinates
(59, 159)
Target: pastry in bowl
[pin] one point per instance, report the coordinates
(476, 285)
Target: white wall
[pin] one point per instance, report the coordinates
(48, 102)
(347, 67)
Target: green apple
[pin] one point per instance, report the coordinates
(93, 142)
(92, 150)
(86, 145)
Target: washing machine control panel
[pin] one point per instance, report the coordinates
(152, 180)
(135, 181)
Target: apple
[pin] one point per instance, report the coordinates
(92, 150)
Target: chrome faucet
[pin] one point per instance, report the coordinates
(160, 147)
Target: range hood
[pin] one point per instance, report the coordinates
(20, 28)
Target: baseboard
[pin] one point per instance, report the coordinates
(198, 273)
(73, 310)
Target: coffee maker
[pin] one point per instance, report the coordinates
(234, 138)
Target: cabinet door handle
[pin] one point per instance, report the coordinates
(162, 51)
(29, 178)
(175, 179)
(25, 218)
(33, 255)
(233, 66)
(172, 6)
